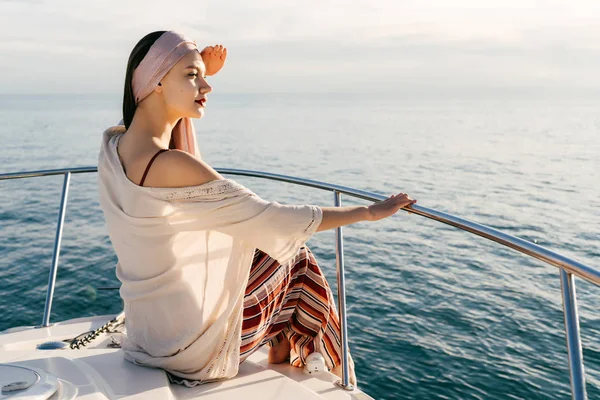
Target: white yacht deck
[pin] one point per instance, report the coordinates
(97, 371)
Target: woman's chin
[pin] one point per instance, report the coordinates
(198, 113)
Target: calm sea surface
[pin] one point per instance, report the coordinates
(434, 312)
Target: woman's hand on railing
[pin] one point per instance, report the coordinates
(334, 217)
(389, 206)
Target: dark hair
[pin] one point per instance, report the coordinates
(135, 58)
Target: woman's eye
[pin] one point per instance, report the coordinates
(192, 74)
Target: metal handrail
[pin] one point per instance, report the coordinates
(341, 286)
(568, 267)
(56, 252)
(548, 256)
(46, 172)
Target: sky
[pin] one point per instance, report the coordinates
(391, 46)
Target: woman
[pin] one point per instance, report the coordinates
(210, 271)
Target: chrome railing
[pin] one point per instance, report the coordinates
(568, 268)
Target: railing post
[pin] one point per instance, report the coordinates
(341, 286)
(56, 253)
(574, 352)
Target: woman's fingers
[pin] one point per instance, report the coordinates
(397, 201)
(218, 48)
(403, 200)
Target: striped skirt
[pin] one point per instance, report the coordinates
(292, 300)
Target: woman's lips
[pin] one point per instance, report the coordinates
(201, 102)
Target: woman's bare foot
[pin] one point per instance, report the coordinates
(338, 371)
(280, 353)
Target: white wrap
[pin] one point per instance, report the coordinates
(184, 255)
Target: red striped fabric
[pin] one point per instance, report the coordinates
(294, 300)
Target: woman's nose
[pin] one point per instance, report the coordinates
(206, 88)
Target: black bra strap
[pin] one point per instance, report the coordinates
(149, 164)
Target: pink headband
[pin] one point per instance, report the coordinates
(168, 49)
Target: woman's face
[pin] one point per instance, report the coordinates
(184, 87)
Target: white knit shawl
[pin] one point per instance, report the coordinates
(184, 256)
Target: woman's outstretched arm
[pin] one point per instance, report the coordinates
(334, 217)
(180, 169)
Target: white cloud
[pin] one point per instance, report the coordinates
(333, 45)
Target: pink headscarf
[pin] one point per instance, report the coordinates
(168, 49)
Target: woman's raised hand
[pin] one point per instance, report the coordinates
(214, 58)
(389, 206)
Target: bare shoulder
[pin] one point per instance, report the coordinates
(177, 168)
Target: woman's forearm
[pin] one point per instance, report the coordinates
(334, 217)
